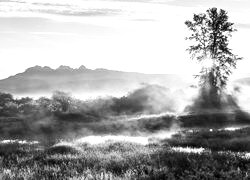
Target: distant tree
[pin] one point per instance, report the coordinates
(26, 105)
(61, 101)
(210, 33)
(5, 97)
(8, 106)
(44, 102)
(24, 100)
(44, 106)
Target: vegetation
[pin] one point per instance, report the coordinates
(49, 119)
(62, 116)
(119, 160)
(219, 119)
(214, 139)
(146, 100)
(210, 33)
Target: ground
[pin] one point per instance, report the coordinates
(163, 159)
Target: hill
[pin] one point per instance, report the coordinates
(39, 80)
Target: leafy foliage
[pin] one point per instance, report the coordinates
(210, 33)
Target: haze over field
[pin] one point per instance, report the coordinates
(85, 83)
(135, 111)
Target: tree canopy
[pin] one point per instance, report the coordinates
(210, 33)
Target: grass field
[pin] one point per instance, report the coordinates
(159, 146)
(214, 139)
(125, 160)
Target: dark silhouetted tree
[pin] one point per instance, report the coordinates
(210, 33)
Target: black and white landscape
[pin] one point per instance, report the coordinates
(43, 81)
(121, 89)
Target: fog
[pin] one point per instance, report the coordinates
(147, 114)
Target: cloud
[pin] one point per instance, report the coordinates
(46, 26)
(64, 7)
(225, 3)
(103, 7)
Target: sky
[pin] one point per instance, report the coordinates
(145, 36)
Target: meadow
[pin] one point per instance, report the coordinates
(214, 139)
(124, 160)
(44, 140)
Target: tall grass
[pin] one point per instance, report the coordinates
(118, 160)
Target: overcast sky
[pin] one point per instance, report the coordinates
(129, 35)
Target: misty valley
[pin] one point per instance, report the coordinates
(148, 133)
(98, 124)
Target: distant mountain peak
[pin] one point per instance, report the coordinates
(38, 69)
(82, 67)
(34, 68)
(44, 80)
(47, 68)
(62, 67)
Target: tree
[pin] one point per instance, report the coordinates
(26, 105)
(61, 101)
(210, 33)
(8, 106)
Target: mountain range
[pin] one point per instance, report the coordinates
(42, 81)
